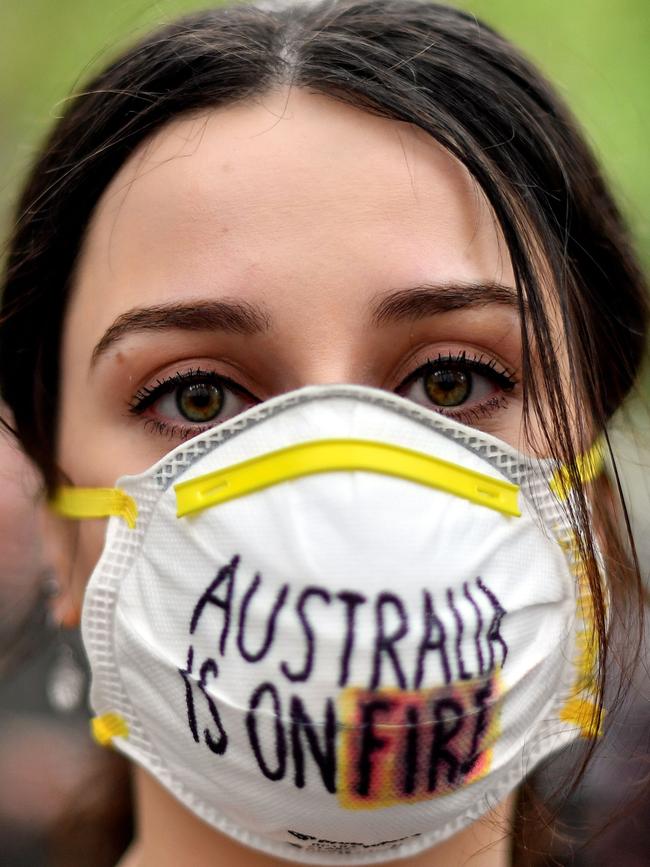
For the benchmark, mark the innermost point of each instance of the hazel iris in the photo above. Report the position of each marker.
(200, 401)
(448, 386)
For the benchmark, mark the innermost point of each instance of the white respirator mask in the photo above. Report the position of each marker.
(339, 627)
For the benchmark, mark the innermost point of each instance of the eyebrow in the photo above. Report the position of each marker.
(418, 302)
(231, 317)
(240, 317)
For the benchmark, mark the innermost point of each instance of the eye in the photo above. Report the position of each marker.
(464, 387)
(190, 401)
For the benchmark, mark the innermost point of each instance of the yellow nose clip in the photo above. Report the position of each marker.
(345, 455)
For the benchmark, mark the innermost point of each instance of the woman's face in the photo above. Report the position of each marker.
(269, 245)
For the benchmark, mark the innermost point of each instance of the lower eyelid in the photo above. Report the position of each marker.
(480, 411)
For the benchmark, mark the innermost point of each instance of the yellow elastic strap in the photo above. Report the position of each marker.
(325, 456)
(108, 726)
(585, 715)
(588, 466)
(95, 503)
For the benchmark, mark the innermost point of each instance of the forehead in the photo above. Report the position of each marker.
(293, 188)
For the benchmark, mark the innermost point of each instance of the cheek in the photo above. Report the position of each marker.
(85, 553)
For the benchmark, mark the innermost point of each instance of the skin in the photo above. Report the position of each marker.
(316, 213)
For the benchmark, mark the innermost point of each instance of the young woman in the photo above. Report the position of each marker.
(341, 287)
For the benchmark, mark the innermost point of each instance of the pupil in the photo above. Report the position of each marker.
(200, 401)
(448, 386)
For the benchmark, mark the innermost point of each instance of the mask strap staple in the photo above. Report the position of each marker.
(108, 726)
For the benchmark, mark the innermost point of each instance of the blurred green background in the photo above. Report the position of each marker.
(596, 52)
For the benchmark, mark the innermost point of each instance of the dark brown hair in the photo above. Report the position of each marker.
(421, 63)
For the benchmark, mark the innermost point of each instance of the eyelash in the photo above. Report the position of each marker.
(472, 415)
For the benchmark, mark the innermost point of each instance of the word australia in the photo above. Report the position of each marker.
(411, 640)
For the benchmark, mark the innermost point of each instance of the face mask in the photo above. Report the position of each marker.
(339, 627)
